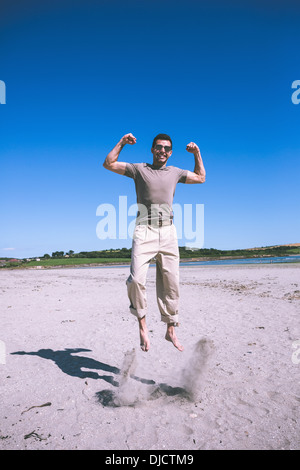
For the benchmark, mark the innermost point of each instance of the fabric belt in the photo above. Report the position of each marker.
(157, 222)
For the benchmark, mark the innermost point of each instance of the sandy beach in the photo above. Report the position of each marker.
(72, 375)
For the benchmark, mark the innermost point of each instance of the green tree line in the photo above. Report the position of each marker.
(184, 252)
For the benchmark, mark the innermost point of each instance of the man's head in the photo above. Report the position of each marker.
(161, 149)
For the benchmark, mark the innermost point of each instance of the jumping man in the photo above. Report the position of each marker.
(155, 234)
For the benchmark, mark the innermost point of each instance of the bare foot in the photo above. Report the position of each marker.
(171, 336)
(144, 338)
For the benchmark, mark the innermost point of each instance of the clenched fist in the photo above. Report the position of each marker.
(192, 148)
(128, 139)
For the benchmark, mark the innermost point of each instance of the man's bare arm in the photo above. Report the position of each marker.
(198, 176)
(111, 162)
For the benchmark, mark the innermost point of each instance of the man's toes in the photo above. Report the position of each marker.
(173, 339)
(145, 347)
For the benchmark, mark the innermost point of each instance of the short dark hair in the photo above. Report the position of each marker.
(161, 137)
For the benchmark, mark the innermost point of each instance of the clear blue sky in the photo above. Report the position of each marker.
(80, 74)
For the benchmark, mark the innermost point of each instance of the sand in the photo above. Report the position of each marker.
(72, 375)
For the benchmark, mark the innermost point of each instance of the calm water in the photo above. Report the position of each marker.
(273, 259)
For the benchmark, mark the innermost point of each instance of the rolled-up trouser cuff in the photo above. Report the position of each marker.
(170, 319)
(138, 312)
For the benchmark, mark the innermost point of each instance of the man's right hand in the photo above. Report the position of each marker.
(128, 139)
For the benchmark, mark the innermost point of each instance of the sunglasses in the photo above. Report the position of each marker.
(160, 147)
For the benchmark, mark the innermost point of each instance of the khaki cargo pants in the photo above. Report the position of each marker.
(160, 242)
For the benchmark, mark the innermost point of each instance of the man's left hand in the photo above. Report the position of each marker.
(192, 148)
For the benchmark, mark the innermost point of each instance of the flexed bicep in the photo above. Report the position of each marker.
(116, 167)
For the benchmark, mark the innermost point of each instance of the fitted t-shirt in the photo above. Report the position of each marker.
(155, 188)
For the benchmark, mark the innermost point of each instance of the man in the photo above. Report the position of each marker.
(155, 234)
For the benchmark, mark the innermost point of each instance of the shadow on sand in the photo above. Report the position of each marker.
(72, 365)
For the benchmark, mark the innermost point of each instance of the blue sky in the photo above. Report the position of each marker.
(80, 74)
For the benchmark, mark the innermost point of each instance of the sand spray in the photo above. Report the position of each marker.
(193, 374)
(133, 391)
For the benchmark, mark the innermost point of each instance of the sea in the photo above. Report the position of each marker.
(267, 260)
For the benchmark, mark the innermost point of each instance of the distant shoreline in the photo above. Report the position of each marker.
(122, 256)
(254, 260)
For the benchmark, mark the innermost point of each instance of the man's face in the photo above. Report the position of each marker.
(161, 152)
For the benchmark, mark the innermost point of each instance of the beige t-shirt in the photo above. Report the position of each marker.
(155, 188)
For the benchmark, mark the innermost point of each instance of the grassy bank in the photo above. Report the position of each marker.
(75, 262)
